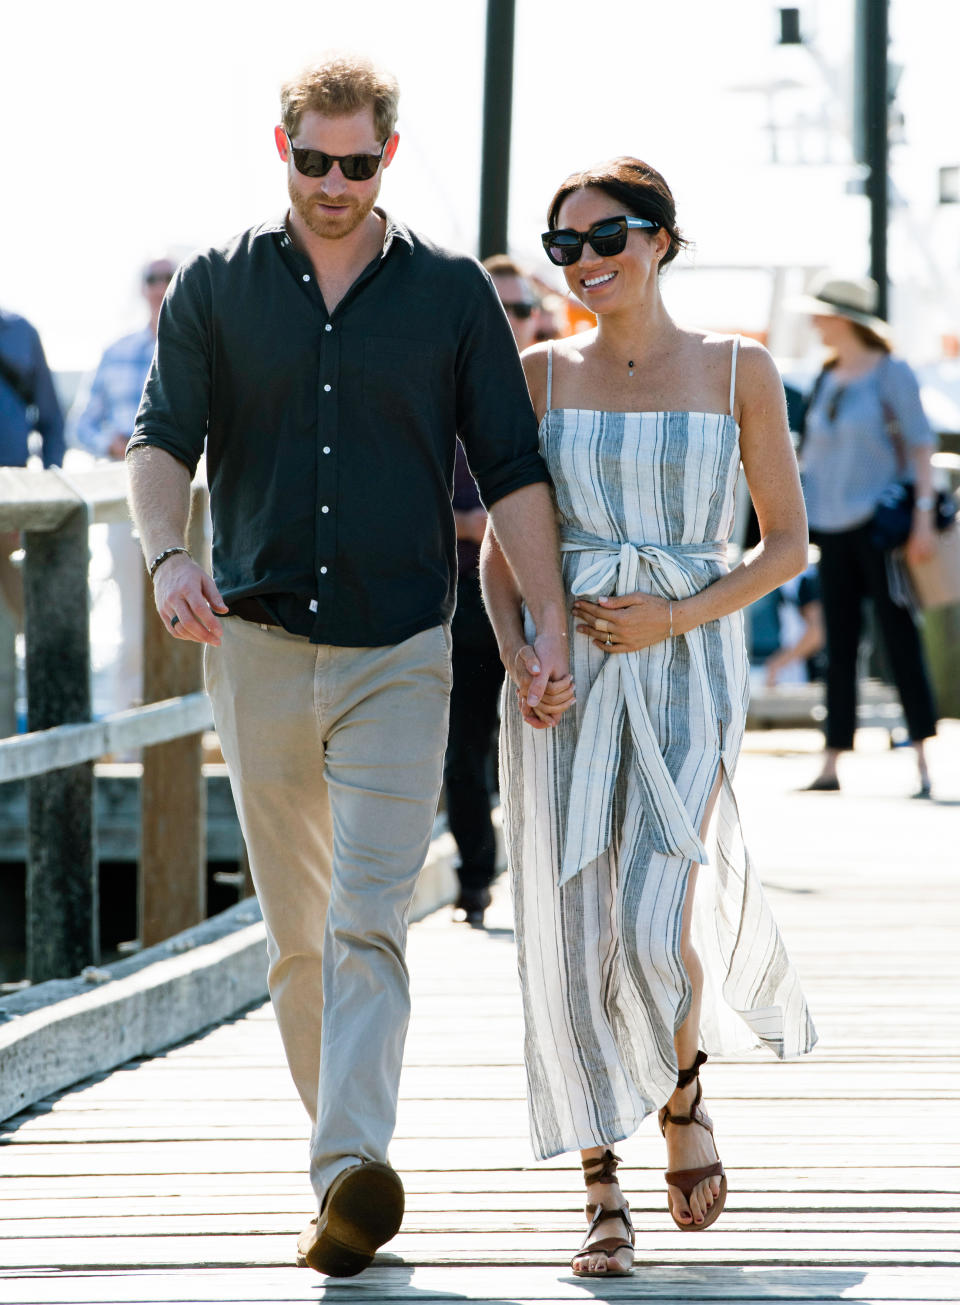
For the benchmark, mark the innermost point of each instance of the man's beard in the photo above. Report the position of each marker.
(329, 228)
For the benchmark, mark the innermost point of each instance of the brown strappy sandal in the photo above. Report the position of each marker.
(687, 1179)
(608, 1246)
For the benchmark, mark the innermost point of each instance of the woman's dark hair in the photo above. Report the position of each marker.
(639, 188)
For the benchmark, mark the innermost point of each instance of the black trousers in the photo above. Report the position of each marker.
(851, 569)
(477, 680)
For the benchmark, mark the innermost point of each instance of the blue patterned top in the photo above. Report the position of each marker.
(848, 456)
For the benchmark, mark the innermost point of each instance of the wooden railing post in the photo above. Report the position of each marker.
(173, 863)
(63, 925)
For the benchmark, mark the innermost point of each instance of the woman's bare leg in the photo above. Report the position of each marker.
(687, 1147)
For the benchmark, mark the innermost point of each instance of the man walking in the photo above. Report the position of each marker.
(328, 361)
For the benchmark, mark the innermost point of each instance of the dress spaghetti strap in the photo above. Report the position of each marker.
(549, 374)
(733, 371)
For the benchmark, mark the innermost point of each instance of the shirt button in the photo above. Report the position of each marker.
(324, 508)
(327, 388)
(328, 327)
(326, 448)
(305, 277)
(323, 570)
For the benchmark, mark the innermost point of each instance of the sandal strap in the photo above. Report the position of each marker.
(606, 1246)
(695, 1116)
(686, 1076)
(608, 1168)
(687, 1179)
(600, 1214)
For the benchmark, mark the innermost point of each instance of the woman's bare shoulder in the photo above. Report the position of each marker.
(535, 363)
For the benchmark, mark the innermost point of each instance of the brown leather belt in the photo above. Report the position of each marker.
(251, 609)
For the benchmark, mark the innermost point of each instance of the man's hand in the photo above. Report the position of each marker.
(540, 707)
(186, 599)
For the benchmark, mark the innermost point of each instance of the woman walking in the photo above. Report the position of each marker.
(865, 430)
(643, 426)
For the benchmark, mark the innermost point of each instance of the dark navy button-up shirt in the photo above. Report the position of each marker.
(330, 438)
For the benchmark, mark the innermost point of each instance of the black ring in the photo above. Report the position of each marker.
(173, 620)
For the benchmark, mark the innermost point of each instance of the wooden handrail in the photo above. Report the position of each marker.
(26, 755)
(54, 508)
(42, 500)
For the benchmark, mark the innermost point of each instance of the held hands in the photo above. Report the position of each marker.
(544, 688)
(626, 623)
(186, 599)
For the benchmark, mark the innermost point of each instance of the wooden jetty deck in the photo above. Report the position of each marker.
(181, 1178)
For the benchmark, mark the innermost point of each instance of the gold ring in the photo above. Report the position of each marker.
(609, 640)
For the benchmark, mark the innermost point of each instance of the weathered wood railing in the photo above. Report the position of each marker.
(54, 510)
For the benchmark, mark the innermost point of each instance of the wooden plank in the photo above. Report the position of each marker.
(390, 1281)
(840, 1189)
(172, 886)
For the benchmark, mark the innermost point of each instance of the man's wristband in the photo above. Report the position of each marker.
(162, 557)
(925, 503)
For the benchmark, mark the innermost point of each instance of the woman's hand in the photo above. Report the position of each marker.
(922, 538)
(523, 665)
(626, 623)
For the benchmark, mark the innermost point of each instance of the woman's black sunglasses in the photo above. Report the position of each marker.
(565, 245)
(355, 167)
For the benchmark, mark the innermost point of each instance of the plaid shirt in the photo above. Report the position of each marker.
(107, 406)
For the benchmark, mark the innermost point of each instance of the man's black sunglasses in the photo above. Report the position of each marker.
(565, 245)
(520, 310)
(355, 167)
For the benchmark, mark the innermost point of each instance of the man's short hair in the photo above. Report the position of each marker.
(337, 85)
(503, 265)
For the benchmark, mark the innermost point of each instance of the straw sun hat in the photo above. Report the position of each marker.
(831, 296)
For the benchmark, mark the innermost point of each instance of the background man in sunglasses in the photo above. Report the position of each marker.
(101, 421)
(328, 361)
(477, 670)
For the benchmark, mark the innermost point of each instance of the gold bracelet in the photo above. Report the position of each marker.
(670, 636)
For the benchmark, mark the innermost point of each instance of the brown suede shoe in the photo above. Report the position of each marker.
(362, 1210)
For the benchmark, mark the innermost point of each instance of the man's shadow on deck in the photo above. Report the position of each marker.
(389, 1279)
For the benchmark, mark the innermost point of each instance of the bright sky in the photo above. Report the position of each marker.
(131, 128)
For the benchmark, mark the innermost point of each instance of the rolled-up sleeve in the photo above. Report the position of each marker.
(495, 418)
(175, 408)
(903, 396)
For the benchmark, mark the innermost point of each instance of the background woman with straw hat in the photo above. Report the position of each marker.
(864, 430)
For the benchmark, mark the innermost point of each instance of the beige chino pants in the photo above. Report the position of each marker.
(335, 758)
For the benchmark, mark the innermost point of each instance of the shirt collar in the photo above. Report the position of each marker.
(395, 230)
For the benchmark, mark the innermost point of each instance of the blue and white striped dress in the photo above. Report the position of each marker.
(602, 814)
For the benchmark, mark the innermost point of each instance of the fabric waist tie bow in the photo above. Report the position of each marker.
(616, 690)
